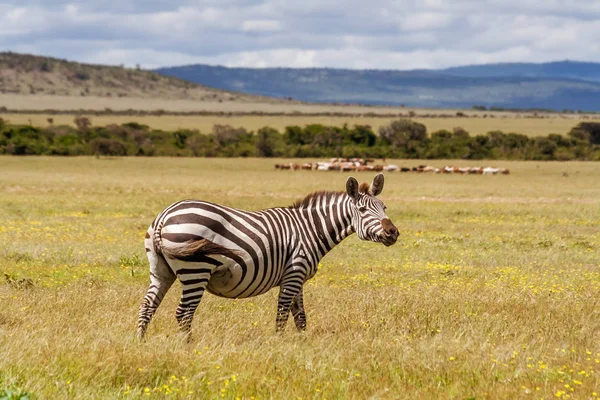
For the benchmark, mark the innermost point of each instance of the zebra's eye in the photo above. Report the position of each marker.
(362, 209)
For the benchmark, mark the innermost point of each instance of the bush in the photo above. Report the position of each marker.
(361, 135)
(82, 123)
(587, 131)
(400, 139)
(269, 143)
(402, 131)
(545, 148)
(108, 147)
(408, 139)
(226, 135)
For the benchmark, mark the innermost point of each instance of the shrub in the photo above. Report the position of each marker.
(587, 131)
(269, 143)
(400, 139)
(402, 131)
(545, 148)
(361, 135)
(226, 135)
(82, 123)
(108, 147)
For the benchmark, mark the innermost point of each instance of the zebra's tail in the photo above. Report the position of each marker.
(196, 248)
(156, 239)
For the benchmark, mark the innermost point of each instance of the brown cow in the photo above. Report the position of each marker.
(365, 168)
(347, 167)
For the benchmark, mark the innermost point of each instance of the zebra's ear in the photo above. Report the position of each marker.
(377, 185)
(352, 187)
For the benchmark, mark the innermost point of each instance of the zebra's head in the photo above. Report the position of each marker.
(368, 217)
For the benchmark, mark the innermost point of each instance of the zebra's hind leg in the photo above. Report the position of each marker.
(298, 311)
(161, 279)
(194, 282)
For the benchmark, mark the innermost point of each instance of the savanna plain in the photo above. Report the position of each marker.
(492, 291)
(475, 125)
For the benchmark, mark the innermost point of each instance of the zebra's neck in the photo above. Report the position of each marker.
(325, 219)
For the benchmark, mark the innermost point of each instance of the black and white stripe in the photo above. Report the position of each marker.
(237, 254)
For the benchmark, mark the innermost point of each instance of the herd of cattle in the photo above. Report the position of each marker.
(360, 164)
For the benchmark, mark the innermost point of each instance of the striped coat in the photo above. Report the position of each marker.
(238, 254)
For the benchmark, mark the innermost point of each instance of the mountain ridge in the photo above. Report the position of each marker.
(581, 70)
(462, 87)
(560, 85)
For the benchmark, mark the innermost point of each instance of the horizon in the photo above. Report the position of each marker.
(402, 70)
(573, 61)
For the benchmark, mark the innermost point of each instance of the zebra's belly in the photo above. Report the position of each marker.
(227, 280)
(224, 279)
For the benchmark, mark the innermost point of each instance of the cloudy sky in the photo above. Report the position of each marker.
(382, 34)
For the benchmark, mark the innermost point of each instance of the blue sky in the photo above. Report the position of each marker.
(382, 34)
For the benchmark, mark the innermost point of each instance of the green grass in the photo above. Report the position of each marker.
(492, 291)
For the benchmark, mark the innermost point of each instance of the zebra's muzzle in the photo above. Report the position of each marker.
(388, 240)
(389, 236)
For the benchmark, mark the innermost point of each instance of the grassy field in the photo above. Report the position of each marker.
(506, 123)
(237, 103)
(493, 290)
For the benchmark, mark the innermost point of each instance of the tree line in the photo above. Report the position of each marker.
(402, 138)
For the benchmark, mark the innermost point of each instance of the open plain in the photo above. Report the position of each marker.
(492, 291)
(476, 125)
(253, 113)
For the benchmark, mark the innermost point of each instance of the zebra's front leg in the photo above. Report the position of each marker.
(193, 290)
(298, 311)
(289, 289)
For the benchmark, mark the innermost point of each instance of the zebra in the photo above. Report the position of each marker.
(238, 254)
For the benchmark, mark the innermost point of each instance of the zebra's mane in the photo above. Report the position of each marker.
(313, 197)
(364, 188)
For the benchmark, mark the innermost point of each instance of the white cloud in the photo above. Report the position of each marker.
(426, 21)
(385, 34)
(16, 21)
(71, 10)
(262, 25)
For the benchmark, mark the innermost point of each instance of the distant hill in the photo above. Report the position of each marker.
(558, 69)
(557, 86)
(29, 74)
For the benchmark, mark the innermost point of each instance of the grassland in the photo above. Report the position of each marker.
(493, 290)
(509, 122)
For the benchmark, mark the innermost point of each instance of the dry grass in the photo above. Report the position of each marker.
(240, 103)
(295, 114)
(506, 123)
(492, 294)
(45, 102)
